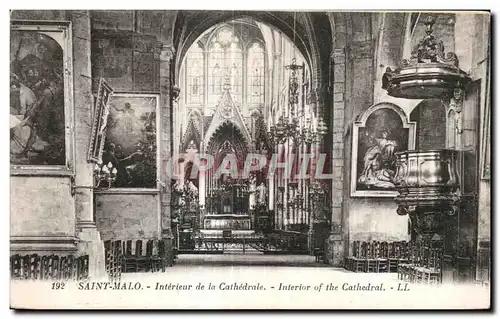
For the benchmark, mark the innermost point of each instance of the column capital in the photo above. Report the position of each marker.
(338, 56)
(167, 53)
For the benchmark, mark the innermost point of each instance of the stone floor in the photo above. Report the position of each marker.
(248, 259)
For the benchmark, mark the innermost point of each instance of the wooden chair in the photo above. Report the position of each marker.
(54, 267)
(129, 260)
(359, 254)
(370, 261)
(421, 264)
(74, 270)
(63, 266)
(142, 261)
(349, 261)
(162, 253)
(382, 264)
(392, 256)
(432, 273)
(405, 261)
(155, 256)
(15, 266)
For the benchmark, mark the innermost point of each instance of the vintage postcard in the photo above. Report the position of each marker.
(196, 159)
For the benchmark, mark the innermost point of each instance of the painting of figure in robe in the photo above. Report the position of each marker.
(382, 136)
(37, 117)
(131, 140)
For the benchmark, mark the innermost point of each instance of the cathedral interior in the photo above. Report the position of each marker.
(358, 139)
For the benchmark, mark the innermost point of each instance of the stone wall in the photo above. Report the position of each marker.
(128, 52)
(59, 204)
(430, 115)
(473, 50)
(42, 215)
(127, 216)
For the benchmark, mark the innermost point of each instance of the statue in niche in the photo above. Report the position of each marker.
(261, 193)
(379, 160)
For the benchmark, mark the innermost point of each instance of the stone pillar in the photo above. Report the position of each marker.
(271, 192)
(251, 197)
(335, 245)
(202, 188)
(89, 236)
(165, 147)
(182, 177)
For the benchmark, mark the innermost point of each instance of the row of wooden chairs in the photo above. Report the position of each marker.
(423, 266)
(137, 258)
(49, 267)
(376, 256)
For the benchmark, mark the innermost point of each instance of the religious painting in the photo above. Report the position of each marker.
(39, 103)
(381, 132)
(99, 125)
(131, 140)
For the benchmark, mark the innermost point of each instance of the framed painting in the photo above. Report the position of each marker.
(99, 123)
(41, 102)
(379, 133)
(131, 139)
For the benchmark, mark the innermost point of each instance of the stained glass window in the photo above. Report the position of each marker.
(225, 66)
(194, 78)
(255, 74)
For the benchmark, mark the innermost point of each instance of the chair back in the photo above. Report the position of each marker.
(138, 248)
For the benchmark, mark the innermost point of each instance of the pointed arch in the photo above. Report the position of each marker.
(256, 73)
(227, 134)
(195, 74)
(227, 112)
(192, 135)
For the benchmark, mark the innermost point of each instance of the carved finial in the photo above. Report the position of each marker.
(429, 23)
(429, 49)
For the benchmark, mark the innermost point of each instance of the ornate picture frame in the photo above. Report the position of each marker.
(100, 120)
(132, 141)
(41, 85)
(379, 132)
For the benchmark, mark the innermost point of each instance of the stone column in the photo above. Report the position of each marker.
(271, 191)
(165, 147)
(182, 177)
(335, 243)
(90, 240)
(251, 197)
(202, 188)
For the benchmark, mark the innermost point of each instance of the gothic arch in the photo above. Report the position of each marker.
(225, 132)
(200, 21)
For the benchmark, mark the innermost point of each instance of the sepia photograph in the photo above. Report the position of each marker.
(250, 159)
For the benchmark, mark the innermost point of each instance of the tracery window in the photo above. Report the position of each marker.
(195, 79)
(222, 63)
(255, 74)
(225, 64)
